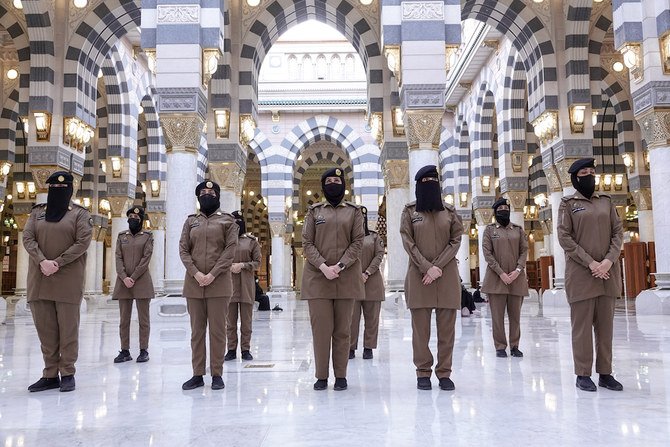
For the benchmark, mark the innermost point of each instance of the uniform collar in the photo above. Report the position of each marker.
(578, 195)
(215, 213)
(69, 207)
(338, 205)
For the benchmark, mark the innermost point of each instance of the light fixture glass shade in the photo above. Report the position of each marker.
(81, 4)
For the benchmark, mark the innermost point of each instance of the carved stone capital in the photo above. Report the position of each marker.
(553, 180)
(299, 251)
(517, 199)
(484, 216)
(102, 235)
(562, 169)
(158, 221)
(642, 198)
(119, 205)
(41, 174)
(396, 174)
(287, 238)
(182, 132)
(278, 229)
(228, 176)
(547, 227)
(424, 128)
(21, 220)
(655, 127)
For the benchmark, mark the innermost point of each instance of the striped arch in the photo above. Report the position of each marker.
(536, 175)
(578, 17)
(220, 84)
(92, 41)
(448, 159)
(625, 119)
(512, 122)
(481, 148)
(281, 15)
(462, 145)
(40, 82)
(9, 118)
(16, 29)
(600, 25)
(201, 170)
(145, 92)
(311, 160)
(142, 152)
(95, 180)
(255, 214)
(530, 38)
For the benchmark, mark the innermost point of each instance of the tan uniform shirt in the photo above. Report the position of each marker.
(371, 257)
(133, 254)
(589, 230)
(207, 245)
(248, 251)
(505, 250)
(66, 243)
(331, 235)
(431, 238)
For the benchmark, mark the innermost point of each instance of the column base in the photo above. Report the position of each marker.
(278, 289)
(173, 287)
(20, 292)
(555, 298)
(395, 285)
(653, 302)
(559, 283)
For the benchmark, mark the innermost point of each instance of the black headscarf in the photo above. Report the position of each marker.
(58, 197)
(502, 216)
(428, 190)
(333, 192)
(135, 224)
(239, 220)
(586, 184)
(208, 203)
(364, 210)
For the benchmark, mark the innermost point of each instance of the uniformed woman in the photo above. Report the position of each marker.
(332, 238)
(590, 232)
(246, 261)
(370, 303)
(431, 234)
(134, 248)
(56, 238)
(207, 247)
(505, 248)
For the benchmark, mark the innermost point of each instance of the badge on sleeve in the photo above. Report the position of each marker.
(90, 221)
(319, 220)
(416, 217)
(577, 208)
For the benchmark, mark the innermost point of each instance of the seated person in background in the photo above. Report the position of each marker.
(261, 297)
(467, 302)
(477, 296)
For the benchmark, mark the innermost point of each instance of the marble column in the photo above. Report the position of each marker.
(22, 260)
(99, 264)
(157, 264)
(396, 175)
(119, 207)
(645, 215)
(423, 133)
(230, 177)
(91, 270)
(288, 262)
(299, 266)
(483, 216)
(463, 255)
(556, 249)
(659, 163)
(279, 280)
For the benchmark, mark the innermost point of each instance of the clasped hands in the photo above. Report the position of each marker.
(601, 269)
(330, 271)
(48, 267)
(204, 280)
(236, 267)
(508, 278)
(431, 275)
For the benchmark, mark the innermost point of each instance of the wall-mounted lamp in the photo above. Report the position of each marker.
(5, 168)
(398, 123)
(103, 166)
(486, 183)
(577, 117)
(253, 3)
(32, 191)
(18, 4)
(12, 74)
(43, 125)
(451, 53)
(546, 126)
(392, 53)
(607, 182)
(20, 190)
(530, 161)
(104, 206)
(210, 62)
(629, 162)
(645, 155)
(449, 198)
(598, 179)
(632, 58)
(541, 200)
(151, 59)
(247, 128)
(77, 134)
(377, 126)
(155, 188)
(517, 161)
(618, 182)
(222, 123)
(116, 167)
(664, 42)
(594, 119)
(463, 199)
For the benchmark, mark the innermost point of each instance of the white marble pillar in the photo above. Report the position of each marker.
(418, 158)
(659, 164)
(157, 264)
(91, 270)
(180, 202)
(22, 260)
(99, 264)
(278, 280)
(397, 258)
(645, 219)
(288, 265)
(517, 217)
(556, 249)
(539, 246)
(109, 261)
(229, 200)
(119, 224)
(480, 249)
(463, 256)
(299, 267)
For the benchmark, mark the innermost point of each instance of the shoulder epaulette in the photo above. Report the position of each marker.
(410, 204)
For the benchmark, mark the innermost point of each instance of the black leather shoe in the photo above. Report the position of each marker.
(66, 384)
(501, 353)
(367, 353)
(447, 384)
(230, 355)
(143, 357)
(193, 383)
(217, 383)
(515, 352)
(352, 354)
(124, 356)
(321, 384)
(423, 383)
(340, 384)
(585, 383)
(246, 355)
(609, 382)
(44, 384)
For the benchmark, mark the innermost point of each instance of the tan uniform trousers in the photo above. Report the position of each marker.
(371, 311)
(246, 312)
(423, 358)
(588, 316)
(126, 310)
(331, 323)
(57, 327)
(204, 311)
(498, 303)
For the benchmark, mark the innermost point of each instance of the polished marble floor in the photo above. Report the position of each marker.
(497, 402)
